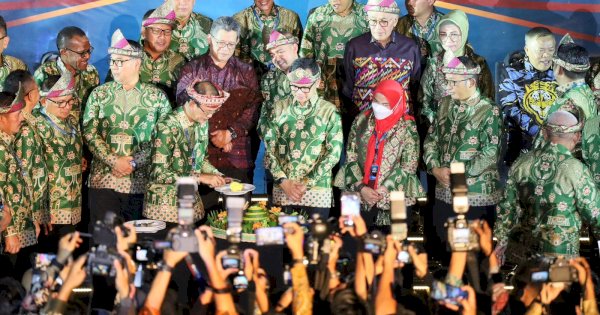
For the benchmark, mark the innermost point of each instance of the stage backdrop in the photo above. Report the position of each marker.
(497, 26)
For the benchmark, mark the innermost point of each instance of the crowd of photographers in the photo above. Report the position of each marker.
(337, 266)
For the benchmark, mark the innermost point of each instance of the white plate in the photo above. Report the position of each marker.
(226, 190)
(148, 226)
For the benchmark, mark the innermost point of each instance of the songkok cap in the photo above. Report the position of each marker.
(385, 6)
(63, 87)
(278, 39)
(17, 104)
(303, 76)
(213, 102)
(120, 46)
(567, 39)
(453, 65)
(164, 14)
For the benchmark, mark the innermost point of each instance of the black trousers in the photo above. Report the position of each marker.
(127, 206)
(15, 265)
(323, 212)
(49, 243)
(210, 198)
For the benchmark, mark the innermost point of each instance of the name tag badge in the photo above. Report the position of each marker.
(467, 155)
(558, 221)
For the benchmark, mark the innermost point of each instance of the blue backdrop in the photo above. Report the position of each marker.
(497, 26)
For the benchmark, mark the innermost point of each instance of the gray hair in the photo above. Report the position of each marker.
(564, 119)
(227, 24)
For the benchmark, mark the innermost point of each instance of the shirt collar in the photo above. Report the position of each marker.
(564, 88)
(559, 148)
(392, 41)
(471, 103)
(262, 16)
(6, 138)
(54, 119)
(183, 119)
(138, 86)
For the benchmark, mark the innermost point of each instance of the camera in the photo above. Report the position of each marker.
(101, 257)
(447, 293)
(461, 234)
(270, 236)
(283, 219)
(558, 270)
(318, 232)
(233, 258)
(399, 227)
(182, 238)
(235, 209)
(350, 207)
(374, 243)
(240, 282)
(145, 252)
(104, 230)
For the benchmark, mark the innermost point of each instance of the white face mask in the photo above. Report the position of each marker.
(380, 111)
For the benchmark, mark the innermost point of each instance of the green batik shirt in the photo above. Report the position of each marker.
(399, 160)
(120, 123)
(15, 188)
(304, 143)
(424, 36)
(163, 71)
(85, 82)
(191, 40)
(179, 149)
(434, 85)
(548, 192)
(327, 33)
(576, 98)
(257, 27)
(325, 41)
(8, 65)
(63, 145)
(274, 86)
(590, 147)
(28, 143)
(467, 132)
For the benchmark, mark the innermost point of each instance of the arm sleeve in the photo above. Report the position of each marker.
(426, 90)
(162, 149)
(490, 139)
(334, 143)
(431, 154)
(247, 121)
(308, 40)
(95, 143)
(143, 155)
(508, 210)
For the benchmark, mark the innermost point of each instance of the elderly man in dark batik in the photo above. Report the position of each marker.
(75, 53)
(118, 123)
(303, 143)
(328, 29)
(420, 24)
(15, 186)
(274, 85)
(63, 152)
(257, 22)
(160, 65)
(547, 195)
(527, 90)
(378, 55)
(230, 129)
(8, 64)
(180, 149)
(190, 36)
(467, 129)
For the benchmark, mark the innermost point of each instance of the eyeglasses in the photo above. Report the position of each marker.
(452, 83)
(304, 89)
(63, 104)
(3, 37)
(453, 36)
(382, 23)
(117, 62)
(82, 53)
(158, 31)
(223, 44)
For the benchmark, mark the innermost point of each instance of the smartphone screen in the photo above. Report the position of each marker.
(283, 219)
(43, 260)
(350, 204)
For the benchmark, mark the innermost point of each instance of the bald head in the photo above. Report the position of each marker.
(566, 120)
(206, 88)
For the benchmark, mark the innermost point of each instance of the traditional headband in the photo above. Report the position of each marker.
(120, 46)
(453, 65)
(164, 14)
(303, 76)
(17, 104)
(63, 87)
(277, 39)
(211, 101)
(567, 39)
(385, 6)
(564, 129)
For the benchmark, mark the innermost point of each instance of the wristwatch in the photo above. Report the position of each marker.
(162, 266)
(280, 180)
(234, 135)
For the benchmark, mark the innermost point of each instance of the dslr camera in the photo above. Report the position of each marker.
(461, 235)
(317, 241)
(374, 243)
(101, 257)
(235, 208)
(182, 238)
(558, 270)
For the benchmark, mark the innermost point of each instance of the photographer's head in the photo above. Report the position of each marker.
(205, 100)
(11, 295)
(346, 302)
(563, 128)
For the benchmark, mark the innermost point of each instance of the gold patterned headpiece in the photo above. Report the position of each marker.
(63, 87)
(303, 76)
(453, 65)
(564, 129)
(277, 39)
(164, 14)
(120, 46)
(214, 102)
(17, 104)
(385, 6)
